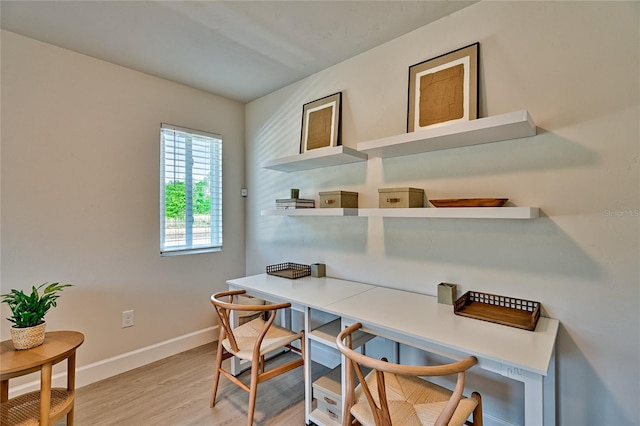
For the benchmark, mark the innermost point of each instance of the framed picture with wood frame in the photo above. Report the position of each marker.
(444, 89)
(321, 123)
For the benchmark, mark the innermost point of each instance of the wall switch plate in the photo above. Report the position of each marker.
(244, 192)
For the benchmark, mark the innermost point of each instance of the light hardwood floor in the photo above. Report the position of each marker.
(176, 391)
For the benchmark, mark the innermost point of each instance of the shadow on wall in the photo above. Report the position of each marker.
(586, 398)
(545, 151)
(536, 246)
(344, 234)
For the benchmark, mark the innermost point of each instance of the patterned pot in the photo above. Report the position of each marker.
(29, 337)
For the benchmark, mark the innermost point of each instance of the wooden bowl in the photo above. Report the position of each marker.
(470, 202)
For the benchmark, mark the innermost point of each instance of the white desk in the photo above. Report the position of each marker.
(418, 320)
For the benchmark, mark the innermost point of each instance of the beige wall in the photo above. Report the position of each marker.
(80, 170)
(574, 66)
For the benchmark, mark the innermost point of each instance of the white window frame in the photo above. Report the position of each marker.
(204, 150)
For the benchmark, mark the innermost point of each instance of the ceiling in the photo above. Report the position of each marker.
(238, 49)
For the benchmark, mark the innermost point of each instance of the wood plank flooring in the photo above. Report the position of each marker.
(175, 392)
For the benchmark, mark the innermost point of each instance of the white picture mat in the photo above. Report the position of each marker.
(465, 61)
(332, 104)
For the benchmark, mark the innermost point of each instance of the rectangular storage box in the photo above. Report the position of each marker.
(401, 197)
(339, 199)
(327, 391)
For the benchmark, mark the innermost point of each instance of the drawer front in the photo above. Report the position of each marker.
(339, 200)
(330, 407)
(401, 199)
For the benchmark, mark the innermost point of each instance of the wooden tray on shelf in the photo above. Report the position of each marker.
(289, 270)
(470, 202)
(499, 309)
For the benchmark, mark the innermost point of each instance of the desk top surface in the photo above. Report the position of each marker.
(418, 316)
(421, 317)
(58, 345)
(307, 291)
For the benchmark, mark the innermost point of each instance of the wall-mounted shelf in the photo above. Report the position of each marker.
(310, 212)
(321, 157)
(435, 213)
(513, 125)
(455, 212)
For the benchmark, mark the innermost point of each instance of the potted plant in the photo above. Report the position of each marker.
(28, 311)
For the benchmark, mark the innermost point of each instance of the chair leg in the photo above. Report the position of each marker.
(216, 373)
(477, 413)
(253, 390)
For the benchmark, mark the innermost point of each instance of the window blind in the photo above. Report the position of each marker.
(190, 191)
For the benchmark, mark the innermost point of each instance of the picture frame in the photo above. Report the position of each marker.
(444, 89)
(321, 125)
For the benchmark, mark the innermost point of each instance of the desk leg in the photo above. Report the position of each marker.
(536, 412)
(533, 401)
(234, 368)
(71, 385)
(45, 393)
(308, 403)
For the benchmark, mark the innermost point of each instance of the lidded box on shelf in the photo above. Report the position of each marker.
(339, 199)
(401, 197)
(327, 392)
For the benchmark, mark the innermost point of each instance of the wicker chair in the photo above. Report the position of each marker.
(251, 341)
(393, 394)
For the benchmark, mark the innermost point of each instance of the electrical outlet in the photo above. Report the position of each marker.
(127, 318)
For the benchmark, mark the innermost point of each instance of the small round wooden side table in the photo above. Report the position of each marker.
(46, 406)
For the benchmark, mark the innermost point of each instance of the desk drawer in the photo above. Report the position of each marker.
(334, 412)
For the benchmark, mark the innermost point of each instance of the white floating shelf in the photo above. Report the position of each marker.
(426, 212)
(455, 212)
(513, 125)
(321, 157)
(310, 212)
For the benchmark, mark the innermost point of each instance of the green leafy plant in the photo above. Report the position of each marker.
(29, 309)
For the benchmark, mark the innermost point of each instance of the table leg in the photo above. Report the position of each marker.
(4, 391)
(71, 385)
(45, 393)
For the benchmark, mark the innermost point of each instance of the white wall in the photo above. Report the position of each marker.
(80, 197)
(574, 66)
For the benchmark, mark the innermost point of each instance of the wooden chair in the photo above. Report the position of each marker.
(251, 341)
(393, 394)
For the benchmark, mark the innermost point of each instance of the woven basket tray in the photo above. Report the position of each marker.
(289, 270)
(499, 309)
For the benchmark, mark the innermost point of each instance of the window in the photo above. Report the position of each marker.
(190, 191)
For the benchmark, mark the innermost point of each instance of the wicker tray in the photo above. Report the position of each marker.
(470, 202)
(289, 270)
(499, 309)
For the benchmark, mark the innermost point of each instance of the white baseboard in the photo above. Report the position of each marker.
(118, 364)
(489, 420)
